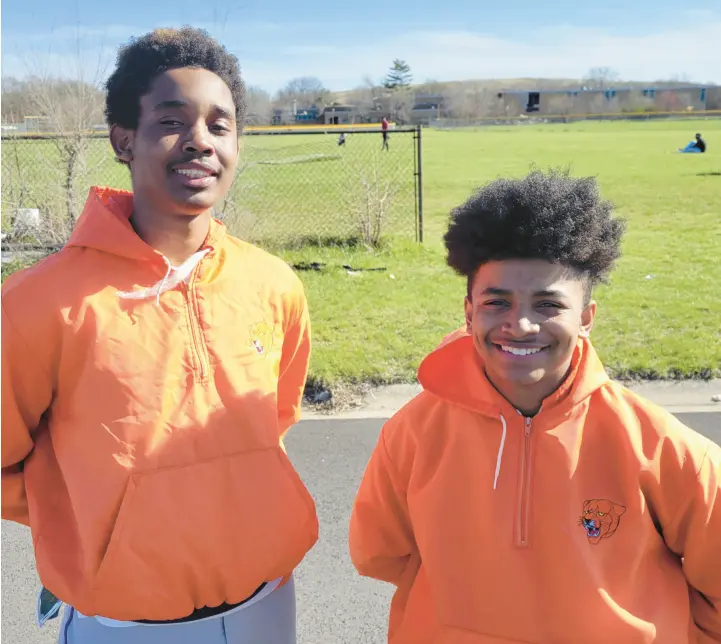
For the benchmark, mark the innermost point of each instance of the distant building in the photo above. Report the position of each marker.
(292, 115)
(340, 115)
(307, 115)
(426, 108)
(584, 101)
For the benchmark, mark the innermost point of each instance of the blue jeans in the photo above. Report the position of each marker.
(269, 621)
(690, 149)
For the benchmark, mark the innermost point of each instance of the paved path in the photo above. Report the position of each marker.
(335, 605)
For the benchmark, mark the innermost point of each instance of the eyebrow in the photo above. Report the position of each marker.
(164, 105)
(178, 104)
(492, 290)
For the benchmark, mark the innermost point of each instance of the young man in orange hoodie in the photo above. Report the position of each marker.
(524, 497)
(149, 372)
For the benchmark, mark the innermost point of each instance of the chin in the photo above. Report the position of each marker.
(196, 204)
(527, 379)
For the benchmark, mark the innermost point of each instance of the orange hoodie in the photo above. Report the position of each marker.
(596, 521)
(141, 426)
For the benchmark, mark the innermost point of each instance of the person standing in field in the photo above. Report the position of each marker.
(524, 496)
(150, 370)
(384, 129)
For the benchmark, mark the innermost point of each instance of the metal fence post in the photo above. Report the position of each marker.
(419, 180)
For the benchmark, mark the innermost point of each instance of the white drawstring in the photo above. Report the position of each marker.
(499, 458)
(162, 282)
(173, 277)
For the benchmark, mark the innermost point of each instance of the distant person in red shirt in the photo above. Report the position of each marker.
(384, 127)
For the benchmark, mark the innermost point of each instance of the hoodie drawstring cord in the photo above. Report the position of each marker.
(499, 458)
(162, 282)
(173, 277)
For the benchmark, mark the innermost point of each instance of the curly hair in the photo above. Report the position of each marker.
(143, 59)
(546, 215)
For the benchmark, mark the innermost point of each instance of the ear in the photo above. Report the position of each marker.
(468, 306)
(588, 317)
(122, 141)
(618, 509)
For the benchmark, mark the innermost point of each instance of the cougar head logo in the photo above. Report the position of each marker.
(600, 519)
(261, 337)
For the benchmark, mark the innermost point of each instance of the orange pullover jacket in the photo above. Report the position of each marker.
(141, 424)
(597, 521)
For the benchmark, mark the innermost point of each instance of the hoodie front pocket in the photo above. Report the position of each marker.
(452, 635)
(202, 534)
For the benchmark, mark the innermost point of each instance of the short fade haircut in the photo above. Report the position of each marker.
(546, 215)
(145, 58)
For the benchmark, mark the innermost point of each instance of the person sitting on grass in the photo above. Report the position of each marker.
(149, 372)
(698, 146)
(524, 496)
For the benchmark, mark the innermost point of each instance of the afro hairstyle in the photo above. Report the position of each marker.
(546, 215)
(143, 59)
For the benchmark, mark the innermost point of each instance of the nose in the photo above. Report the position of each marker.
(198, 141)
(520, 326)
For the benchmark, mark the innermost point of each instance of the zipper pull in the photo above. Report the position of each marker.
(528, 426)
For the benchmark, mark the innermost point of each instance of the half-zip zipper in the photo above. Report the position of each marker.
(525, 481)
(197, 340)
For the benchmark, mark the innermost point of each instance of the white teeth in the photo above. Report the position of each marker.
(194, 174)
(519, 352)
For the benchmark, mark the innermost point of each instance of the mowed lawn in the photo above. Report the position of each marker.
(659, 317)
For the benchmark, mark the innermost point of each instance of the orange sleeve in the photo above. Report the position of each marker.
(694, 534)
(26, 395)
(294, 361)
(381, 536)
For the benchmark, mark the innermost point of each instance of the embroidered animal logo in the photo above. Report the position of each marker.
(600, 519)
(261, 337)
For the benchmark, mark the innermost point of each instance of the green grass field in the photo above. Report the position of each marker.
(369, 327)
(659, 317)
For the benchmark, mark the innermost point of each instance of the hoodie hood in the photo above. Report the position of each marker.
(104, 225)
(455, 373)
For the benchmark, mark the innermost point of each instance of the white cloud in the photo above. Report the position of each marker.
(272, 54)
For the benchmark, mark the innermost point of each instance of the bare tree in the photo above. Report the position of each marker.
(53, 175)
(599, 104)
(369, 197)
(306, 91)
(635, 102)
(259, 108)
(671, 100)
(562, 104)
(600, 78)
(469, 101)
(368, 97)
(72, 109)
(401, 103)
(433, 88)
(15, 101)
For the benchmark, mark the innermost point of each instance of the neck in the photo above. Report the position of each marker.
(528, 399)
(177, 237)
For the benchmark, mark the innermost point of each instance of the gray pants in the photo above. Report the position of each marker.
(269, 621)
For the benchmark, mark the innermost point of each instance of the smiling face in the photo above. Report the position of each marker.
(183, 154)
(526, 317)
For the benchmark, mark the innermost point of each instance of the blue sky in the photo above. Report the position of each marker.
(277, 40)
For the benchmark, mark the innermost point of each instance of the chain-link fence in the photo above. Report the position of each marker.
(290, 187)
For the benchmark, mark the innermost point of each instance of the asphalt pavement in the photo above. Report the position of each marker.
(335, 605)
